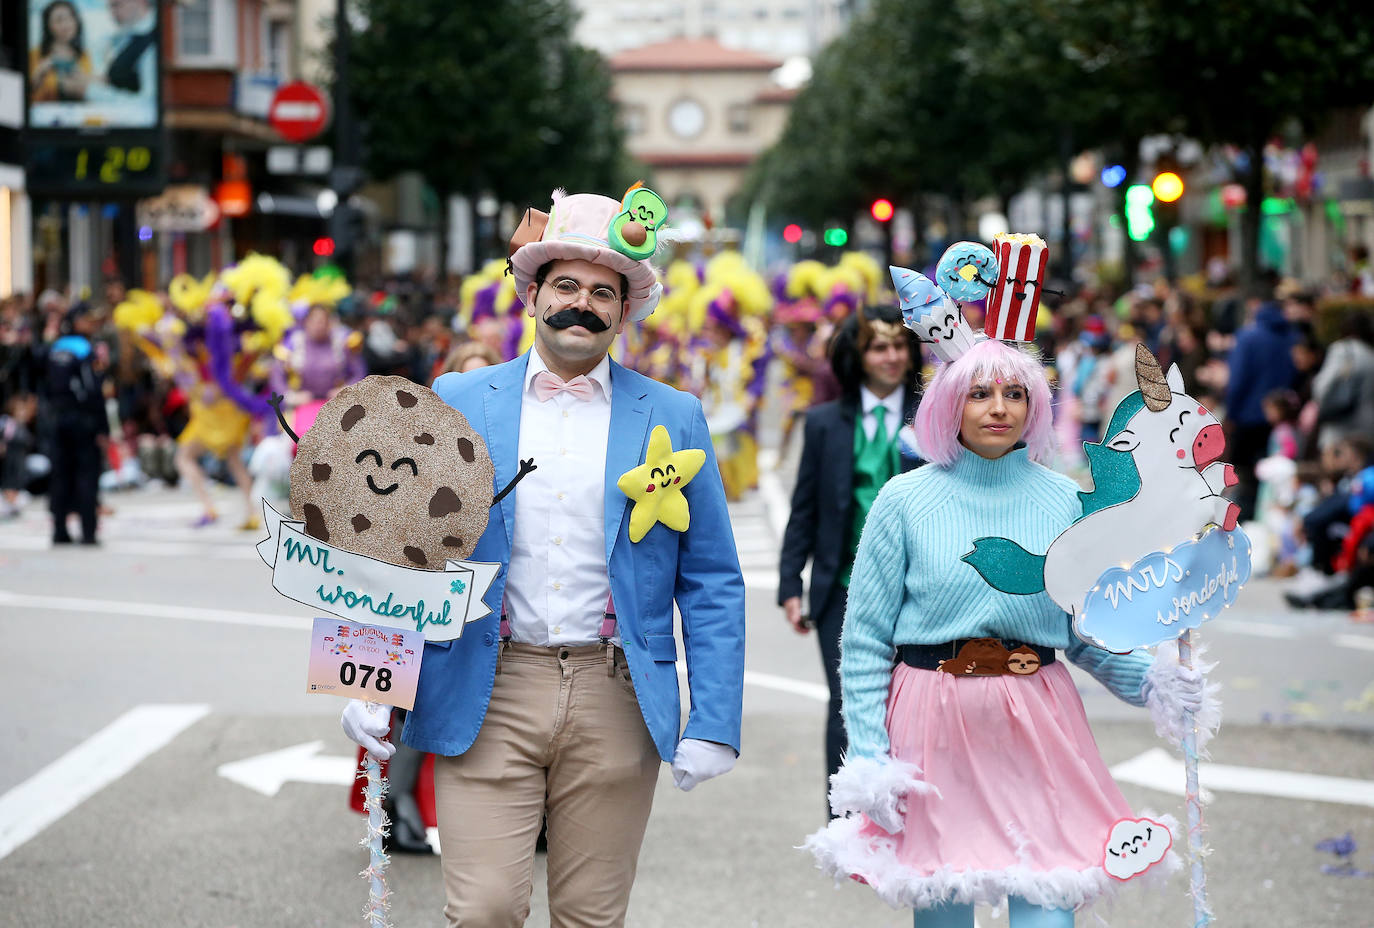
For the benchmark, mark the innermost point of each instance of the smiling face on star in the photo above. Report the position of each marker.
(994, 416)
(661, 478)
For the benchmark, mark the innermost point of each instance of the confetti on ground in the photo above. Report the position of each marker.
(1345, 869)
(1344, 848)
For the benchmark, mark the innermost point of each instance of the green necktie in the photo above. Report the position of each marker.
(875, 462)
(880, 433)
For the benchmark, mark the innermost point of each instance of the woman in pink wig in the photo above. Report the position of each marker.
(972, 776)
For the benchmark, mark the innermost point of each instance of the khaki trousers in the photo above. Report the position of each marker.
(564, 738)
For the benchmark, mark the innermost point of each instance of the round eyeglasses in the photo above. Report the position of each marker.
(599, 297)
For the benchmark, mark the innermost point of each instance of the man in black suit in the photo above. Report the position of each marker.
(851, 447)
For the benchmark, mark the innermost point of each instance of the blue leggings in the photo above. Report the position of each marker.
(1021, 913)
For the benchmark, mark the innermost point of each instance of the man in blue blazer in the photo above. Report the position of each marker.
(564, 702)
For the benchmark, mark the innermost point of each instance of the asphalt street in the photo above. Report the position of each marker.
(138, 670)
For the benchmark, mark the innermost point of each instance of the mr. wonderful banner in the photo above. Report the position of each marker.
(437, 603)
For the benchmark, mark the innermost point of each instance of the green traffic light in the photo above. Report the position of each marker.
(837, 237)
(1140, 220)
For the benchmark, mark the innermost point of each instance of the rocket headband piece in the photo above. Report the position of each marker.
(1012, 278)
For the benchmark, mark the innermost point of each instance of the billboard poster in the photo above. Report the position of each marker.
(93, 64)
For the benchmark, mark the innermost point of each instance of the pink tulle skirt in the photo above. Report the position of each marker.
(1019, 801)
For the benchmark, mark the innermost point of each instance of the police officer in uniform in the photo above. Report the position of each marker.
(73, 394)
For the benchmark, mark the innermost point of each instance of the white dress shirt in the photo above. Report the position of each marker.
(557, 585)
(892, 419)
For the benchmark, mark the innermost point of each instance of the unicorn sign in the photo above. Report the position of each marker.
(1157, 485)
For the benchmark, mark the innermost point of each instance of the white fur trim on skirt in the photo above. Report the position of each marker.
(844, 853)
(875, 786)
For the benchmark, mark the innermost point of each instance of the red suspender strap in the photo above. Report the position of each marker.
(608, 621)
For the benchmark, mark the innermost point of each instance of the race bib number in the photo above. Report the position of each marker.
(372, 662)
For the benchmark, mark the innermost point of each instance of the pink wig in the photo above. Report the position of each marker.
(941, 412)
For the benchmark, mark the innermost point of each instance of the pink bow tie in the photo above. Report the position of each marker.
(548, 384)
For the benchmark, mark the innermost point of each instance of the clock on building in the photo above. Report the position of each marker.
(686, 118)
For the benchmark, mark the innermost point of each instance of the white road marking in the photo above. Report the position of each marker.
(132, 547)
(775, 502)
(1258, 629)
(1158, 769)
(155, 610)
(88, 768)
(816, 691)
(761, 579)
(266, 773)
(1284, 632)
(1354, 641)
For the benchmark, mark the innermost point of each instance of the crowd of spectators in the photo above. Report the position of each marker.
(1289, 371)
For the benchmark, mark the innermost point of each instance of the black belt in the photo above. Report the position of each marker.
(930, 656)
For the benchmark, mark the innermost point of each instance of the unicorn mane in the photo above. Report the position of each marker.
(1114, 474)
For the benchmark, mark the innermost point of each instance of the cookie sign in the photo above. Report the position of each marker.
(390, 471)
(391, 488)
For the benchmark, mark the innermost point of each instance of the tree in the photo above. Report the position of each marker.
(1238, 72)
(490, 97)
(923, 99)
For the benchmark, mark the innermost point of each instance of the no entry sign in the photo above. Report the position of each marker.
(298, 111)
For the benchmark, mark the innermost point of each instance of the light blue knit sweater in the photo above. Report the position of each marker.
(910, 586)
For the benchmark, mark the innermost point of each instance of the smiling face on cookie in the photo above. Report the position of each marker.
(390, 471)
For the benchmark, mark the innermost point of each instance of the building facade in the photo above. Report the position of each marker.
(698, 114)
(780, 28)
(16, 263)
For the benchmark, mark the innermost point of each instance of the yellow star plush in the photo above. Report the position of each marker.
(656, 485)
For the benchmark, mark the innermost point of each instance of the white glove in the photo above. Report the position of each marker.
(1172, 691)
(366, 723)
(696, 761)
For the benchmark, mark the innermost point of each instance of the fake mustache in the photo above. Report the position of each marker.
(567, 318)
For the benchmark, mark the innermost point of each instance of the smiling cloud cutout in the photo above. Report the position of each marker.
(1135, 845)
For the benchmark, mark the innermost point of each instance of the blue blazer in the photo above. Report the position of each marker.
(698, 568)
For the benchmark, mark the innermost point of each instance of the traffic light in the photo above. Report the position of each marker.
(323, 247)
(792, 233)
(1167, 186)
(1140, 219)
(836, 237)
(882, 209)
(1113, 175)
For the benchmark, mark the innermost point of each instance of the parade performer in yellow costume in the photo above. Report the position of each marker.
(213, 343)
(730, 366)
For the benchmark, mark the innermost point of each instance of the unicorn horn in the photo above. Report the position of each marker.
(1150, 377)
